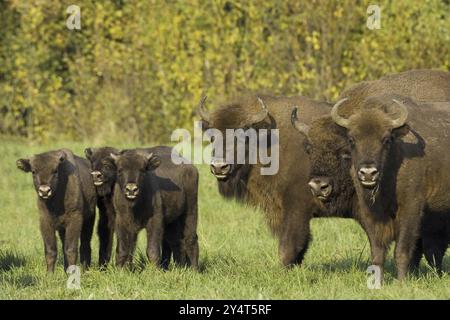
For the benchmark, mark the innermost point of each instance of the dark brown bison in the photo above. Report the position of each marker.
(66, 202)
(104, 178)
(328, 148)
(399, 180)
(283, 197)
(153, 193)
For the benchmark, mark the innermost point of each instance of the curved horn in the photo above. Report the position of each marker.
(260, 116)
(343, 122)
(302, 127)
(400, 121)
(203, 113)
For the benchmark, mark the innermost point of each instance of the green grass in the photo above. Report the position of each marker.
(238, 256)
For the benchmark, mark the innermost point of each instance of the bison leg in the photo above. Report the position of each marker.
(416, 256)
(166, 253)
(154, 239)
(126, 243)
(72, 235)
(434, 249)
(190, 232)
(378, 253)
(62, 236)
(294, 240)
(377, 248)
(50, 247)
(85, 241)
(105, 232)
(174, 234)
(407, 237)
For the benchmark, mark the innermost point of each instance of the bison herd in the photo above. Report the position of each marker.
(379, 155)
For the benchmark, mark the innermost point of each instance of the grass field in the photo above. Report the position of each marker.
(238, 256)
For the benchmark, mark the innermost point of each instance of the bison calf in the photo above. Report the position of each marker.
(153, 193)
(66, 202)
(104, 177)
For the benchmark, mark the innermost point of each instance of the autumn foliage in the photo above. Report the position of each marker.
(137, 69)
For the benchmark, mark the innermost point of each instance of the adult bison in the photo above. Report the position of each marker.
(329, 151)
(284, 197)
(396, 179)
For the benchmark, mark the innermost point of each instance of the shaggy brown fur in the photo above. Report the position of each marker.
(66, 202)
(283, 197)
(329, 150)
(421, 85)
(413, 175)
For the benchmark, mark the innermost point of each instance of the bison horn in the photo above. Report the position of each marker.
(263, 114)
(300, 126)
(202, 111)
(114, 156)
(400, 121)
(341, 121)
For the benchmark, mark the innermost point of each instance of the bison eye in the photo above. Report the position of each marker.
(351, 141)
(387, 140)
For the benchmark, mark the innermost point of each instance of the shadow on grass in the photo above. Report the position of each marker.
(19, 281)
(390, 269)
(10, 260)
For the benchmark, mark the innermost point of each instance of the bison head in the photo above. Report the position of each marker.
(329, 153)
(45, 168)
(103, 170)
(233, 116)
(371, 131)
(132, 167)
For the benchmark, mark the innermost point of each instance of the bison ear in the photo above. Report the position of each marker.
(24, 165)
(88, 152)
(401, 131)
(153, 161)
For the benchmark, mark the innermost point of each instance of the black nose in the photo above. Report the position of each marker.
(220, 168)
(131, 190)
(320, 187)
(368, 174)
(44, 191)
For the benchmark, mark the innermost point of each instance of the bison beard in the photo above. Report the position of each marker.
(235, 186)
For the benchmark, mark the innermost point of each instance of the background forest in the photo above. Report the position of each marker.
(136, 69)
